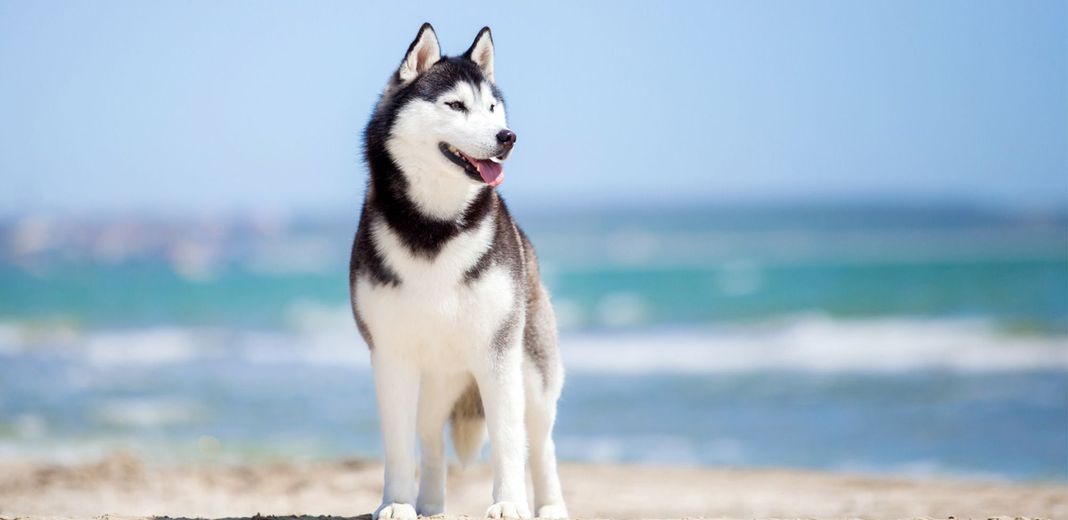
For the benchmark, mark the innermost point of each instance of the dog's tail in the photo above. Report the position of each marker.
(468, 425)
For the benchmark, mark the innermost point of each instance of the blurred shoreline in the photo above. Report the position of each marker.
(917, 341)
(887, 396)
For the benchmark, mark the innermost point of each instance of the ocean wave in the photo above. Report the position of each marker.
(146, 412)
(822, 344)
(320, 335)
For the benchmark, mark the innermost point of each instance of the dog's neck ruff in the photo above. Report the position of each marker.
(394, 196)
(440, 195)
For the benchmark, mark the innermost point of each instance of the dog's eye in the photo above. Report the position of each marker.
(492, 105)
(458, 106)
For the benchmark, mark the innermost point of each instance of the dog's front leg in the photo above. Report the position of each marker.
(500, 381)
(397, 387)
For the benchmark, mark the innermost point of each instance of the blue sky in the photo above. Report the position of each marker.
(205, 106)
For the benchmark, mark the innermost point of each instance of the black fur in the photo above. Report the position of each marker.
(425, 236)
(387, 187)
(386, 196)
(368, 260)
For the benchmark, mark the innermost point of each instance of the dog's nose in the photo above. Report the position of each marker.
(506, 137)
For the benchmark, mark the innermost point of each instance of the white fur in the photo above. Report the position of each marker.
(433, 333)
(433, 330)
(438, 186)
(432, 318)
(542, 392)
(500, 381)
(540, 416)
(437, 394)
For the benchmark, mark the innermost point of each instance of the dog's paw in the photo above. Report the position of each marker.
(395, 511)
(505, 509)
(429, 509)
(552, 511)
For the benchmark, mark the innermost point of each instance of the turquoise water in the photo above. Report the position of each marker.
(1028, 294)
(904, 341)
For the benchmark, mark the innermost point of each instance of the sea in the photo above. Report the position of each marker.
(893, 340)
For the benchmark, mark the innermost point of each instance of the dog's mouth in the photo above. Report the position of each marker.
(490, 170)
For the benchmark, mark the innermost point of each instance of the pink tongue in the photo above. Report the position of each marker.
(491, 172)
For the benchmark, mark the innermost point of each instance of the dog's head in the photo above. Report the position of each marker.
(447, 115)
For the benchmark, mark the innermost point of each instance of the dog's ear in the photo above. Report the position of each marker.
(422, 53)
(481, 52)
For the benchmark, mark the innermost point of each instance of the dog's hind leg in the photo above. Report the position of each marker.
(397, 388)
(437, 395)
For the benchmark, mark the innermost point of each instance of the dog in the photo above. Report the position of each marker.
(446, 292)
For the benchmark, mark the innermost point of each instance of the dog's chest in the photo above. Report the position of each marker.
(435, 313)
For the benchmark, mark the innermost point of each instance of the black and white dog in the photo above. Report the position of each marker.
(446, 291)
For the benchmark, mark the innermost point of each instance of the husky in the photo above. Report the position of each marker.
(445, 290)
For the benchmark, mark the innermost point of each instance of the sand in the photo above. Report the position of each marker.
(122, 486)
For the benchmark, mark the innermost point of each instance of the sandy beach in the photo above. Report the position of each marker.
(125, 487)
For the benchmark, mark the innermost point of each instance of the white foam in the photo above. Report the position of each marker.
(147, 412)
(10, 338)
(325, 336)
(154, 346)
(820, 344)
